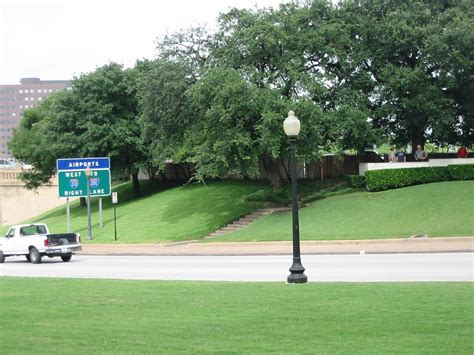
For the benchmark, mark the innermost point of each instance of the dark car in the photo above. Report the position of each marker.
(370, 156)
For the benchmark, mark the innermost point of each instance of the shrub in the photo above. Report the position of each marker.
(356, 181)
(282, 196)
(379, 180)
(461, 172)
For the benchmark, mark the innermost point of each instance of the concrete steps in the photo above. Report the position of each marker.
(245, 221)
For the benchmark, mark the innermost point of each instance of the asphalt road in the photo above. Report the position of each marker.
(350, 268)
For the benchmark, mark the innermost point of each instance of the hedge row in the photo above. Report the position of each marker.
(461, 172)
(379, 180)
(356, 181)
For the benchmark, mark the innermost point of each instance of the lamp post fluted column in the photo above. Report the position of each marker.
(292, 128)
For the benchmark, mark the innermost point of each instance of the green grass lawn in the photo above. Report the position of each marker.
(439, 209)
(161, 215)
(96, 316)
(165, 214)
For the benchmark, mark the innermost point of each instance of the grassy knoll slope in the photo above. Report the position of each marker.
(111, 317)
(439, 209)
(175, 214)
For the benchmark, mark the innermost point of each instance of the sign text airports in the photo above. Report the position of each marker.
(83, 163)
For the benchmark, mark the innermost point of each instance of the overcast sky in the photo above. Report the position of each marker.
(59, 39)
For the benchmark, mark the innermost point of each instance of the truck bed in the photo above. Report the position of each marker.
(62, 239)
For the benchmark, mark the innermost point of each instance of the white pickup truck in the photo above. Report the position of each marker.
(34, 242)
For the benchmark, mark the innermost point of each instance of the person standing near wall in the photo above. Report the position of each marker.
(420, 154)
(462, 152)
(391, 156)
(401, 157)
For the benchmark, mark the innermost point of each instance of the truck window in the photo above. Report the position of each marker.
(11, 233)
(28, 230)
(32, 230)
(41, 229)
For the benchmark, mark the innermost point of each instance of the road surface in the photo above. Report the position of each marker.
(348, 268)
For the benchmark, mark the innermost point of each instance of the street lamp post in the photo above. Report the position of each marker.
(88, 176)
(291, 126)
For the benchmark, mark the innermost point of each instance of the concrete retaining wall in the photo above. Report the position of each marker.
(18, 204)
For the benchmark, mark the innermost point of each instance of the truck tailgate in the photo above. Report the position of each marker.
(62, 239)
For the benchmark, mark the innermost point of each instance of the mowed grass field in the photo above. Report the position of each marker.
(110, 317)
(194, 210)
(440, 209)
(161, 215)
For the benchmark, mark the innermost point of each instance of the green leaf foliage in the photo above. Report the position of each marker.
(386, 179)
(461, 171)
(98, 117)
(356, 181)
(356, 73)
(165, 109)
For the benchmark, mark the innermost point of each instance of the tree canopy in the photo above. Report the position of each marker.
(98, 117)
(357, 73)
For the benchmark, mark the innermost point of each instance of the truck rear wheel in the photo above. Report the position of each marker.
(66, 258)
(28, 257)
(35, 256)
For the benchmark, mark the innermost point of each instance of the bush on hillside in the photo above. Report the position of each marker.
(461, 172)
(281, 196)
(379, 180)
(356, 181)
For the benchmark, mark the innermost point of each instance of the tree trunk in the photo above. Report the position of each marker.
(287, 169)
(136, 185)
(151, 173)
(163, 176)
(417, 138)
(272, 170)
(188, 168)
(176, 172)
(184, 171)
(82, 201)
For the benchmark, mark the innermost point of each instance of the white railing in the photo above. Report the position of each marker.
(9, 176)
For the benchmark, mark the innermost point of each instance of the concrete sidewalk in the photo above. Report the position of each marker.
(412, 245)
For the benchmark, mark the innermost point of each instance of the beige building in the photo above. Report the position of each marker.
(15, 99)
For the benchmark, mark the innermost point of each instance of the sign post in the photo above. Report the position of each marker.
(100, 212)
(68, 215)
(115, 201)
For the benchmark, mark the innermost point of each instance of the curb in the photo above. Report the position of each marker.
(194, 248)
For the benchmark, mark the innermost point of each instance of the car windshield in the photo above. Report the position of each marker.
(32, 230)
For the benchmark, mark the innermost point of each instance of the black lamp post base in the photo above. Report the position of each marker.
(297, 279)
(297, 275)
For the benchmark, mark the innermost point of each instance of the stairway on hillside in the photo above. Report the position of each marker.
(245, 221)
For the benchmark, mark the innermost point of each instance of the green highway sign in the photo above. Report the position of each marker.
(74, 183)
